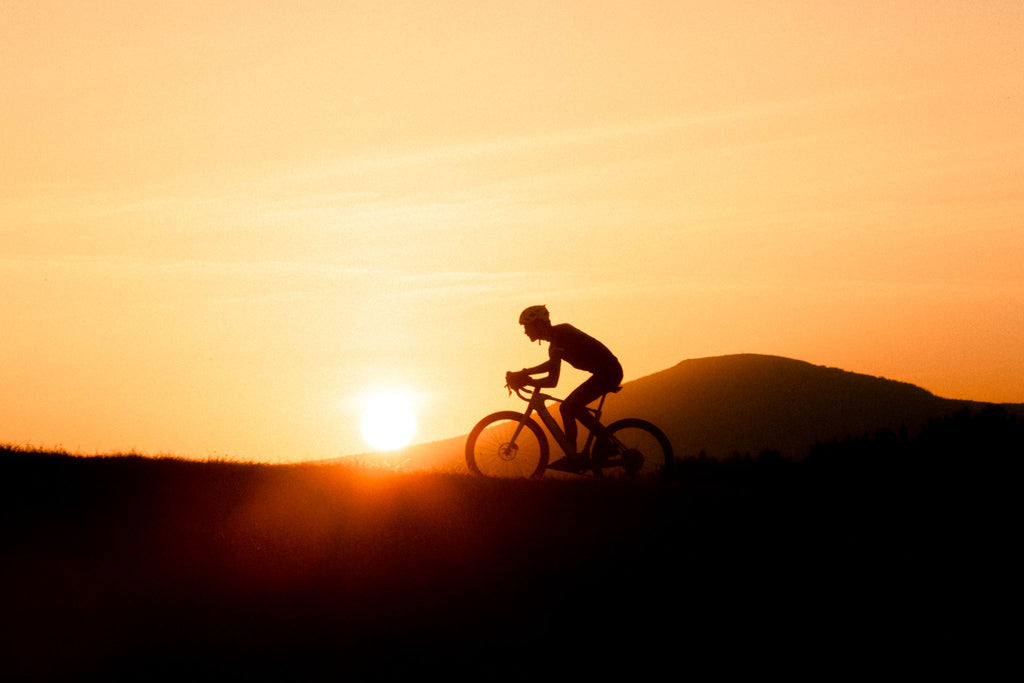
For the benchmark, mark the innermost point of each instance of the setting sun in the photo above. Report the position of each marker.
(388, 421)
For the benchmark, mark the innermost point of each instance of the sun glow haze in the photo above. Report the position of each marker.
(221, 221)
(388, 422)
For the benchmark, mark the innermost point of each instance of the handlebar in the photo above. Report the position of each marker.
(520, 390)
(527, 392)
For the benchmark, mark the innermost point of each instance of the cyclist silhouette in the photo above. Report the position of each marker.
(579, 350)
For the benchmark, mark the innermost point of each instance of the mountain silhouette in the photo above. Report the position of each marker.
(746, 404)
(749, 403)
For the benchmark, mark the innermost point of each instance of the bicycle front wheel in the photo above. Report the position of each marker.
(646, 450)
(507, 444)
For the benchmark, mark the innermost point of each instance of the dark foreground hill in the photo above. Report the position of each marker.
(140, 569)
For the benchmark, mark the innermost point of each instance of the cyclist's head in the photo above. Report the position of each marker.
(533, 314)
(535, 321)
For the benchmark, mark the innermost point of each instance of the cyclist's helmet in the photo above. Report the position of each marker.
(534, 313)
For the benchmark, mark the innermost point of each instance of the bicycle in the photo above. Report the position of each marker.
(512, 445)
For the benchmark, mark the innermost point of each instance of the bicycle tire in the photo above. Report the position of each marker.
(649, 451)
(488, 452)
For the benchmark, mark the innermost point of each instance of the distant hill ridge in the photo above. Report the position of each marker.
(749, 403)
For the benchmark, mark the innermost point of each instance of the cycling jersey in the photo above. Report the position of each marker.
(581, 351)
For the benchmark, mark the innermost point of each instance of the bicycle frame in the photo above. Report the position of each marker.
(535, 403)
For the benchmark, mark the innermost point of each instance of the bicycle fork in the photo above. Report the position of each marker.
(519, 428)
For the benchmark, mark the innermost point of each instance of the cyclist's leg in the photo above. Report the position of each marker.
(574, 406)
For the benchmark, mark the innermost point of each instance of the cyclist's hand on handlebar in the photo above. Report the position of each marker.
(516, 380)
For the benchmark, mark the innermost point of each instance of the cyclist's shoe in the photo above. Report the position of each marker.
(571, 463)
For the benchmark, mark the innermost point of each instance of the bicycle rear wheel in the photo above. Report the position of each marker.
(646, 450)
(490, 450)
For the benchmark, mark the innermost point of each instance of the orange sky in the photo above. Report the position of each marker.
(223, 225)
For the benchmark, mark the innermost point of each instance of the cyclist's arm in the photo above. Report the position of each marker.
(553, 368)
